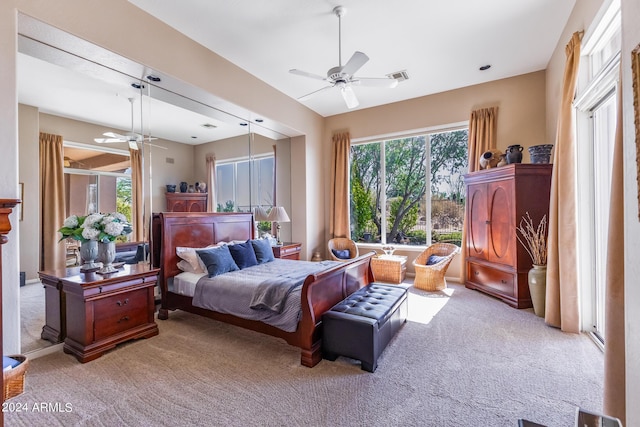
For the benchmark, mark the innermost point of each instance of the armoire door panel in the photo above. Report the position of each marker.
(477, 241)
(501, 226)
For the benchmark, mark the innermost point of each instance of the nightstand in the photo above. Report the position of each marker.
(288, 250)
(105, 310)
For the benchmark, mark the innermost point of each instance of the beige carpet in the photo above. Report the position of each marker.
(32, 317)
(464, 359)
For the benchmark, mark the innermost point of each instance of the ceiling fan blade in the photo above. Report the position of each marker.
(305, 74)
(357, 60)
(307, 96)
(107, 140)
(115, 135)
(349, 96)
(376, 82)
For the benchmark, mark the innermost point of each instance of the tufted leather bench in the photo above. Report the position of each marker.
(361, 326)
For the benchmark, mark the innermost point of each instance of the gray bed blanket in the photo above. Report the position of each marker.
(272, 293)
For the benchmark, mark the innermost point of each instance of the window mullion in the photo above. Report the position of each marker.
(427, 193)
(383, 193)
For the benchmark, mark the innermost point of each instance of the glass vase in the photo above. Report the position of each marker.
(106, 254)
(89, 253)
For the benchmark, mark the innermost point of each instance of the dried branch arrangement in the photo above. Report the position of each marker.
(534, 239)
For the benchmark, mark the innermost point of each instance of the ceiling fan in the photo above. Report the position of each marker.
(131, 137)
(343, 77)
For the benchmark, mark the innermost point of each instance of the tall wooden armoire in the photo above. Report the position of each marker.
(497, 199)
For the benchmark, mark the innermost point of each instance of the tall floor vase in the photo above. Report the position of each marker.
(106, 254)
(89, 253)
(538, 288)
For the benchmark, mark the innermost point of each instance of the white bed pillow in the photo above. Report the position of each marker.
(190, 255)
(184, 266)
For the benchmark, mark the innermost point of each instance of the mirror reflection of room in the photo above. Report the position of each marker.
(97, 177)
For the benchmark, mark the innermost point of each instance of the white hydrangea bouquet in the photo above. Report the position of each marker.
(100, 227)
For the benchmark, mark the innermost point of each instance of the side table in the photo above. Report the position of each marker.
(389, 268)
(101, 311)
(287, 250)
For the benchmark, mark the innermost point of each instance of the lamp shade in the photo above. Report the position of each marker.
(260, 214)
(278, 214)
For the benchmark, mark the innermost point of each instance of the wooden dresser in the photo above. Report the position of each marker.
(186, 202)
(288, 250)
(497, 199)
(102, 311)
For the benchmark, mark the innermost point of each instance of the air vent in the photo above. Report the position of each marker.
(209, 126)
(399, 75)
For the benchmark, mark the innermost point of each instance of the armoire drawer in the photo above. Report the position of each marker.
(487, 277)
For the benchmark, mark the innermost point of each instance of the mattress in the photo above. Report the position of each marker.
(185, 283)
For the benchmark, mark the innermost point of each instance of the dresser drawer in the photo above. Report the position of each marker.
(120, 312)
(491, 279)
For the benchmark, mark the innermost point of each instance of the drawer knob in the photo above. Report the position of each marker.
(477, 273)
(120, 303)
(124, 319)
(504, 282)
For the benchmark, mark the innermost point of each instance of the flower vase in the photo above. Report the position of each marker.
(89, 253)
(106, 254)
(538, 288)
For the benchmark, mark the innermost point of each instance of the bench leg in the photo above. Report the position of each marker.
(329, 356)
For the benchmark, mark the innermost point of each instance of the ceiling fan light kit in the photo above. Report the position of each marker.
(343, 77)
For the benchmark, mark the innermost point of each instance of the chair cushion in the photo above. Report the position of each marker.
(434, 259)
(342, 254)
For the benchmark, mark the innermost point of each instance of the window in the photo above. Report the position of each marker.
(96, 180)
(410, 190)
(241, 184)
(596, 122)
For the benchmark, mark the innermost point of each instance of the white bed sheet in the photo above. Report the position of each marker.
(185, 283)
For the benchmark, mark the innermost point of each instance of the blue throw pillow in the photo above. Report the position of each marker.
(218, 260)
(262, 248)
(434, 259)
(342, 254)
(243, 254)
(8, 362)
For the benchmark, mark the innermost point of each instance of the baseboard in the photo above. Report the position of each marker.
(34, 354)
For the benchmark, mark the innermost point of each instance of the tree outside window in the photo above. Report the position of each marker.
(422, 198)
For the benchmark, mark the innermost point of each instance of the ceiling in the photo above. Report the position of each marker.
(440, 45)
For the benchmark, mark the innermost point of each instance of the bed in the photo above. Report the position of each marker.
(319, 292)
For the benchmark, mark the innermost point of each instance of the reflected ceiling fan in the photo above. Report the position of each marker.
(132, 138)
(343, 77)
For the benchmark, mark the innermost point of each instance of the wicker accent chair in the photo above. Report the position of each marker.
(340, 244)
(431, 277)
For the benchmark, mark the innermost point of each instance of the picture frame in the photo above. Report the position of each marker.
(20, 205)
(635, 69)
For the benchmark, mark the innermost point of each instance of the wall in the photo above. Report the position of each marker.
(519, 122)
(630, 39)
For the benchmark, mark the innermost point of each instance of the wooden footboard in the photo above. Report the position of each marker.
(320, 291)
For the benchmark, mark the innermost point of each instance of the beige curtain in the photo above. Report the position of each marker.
(52, 201)
(482, 134)
(482, 137)
(211, 183)
(137, 197)
(562, 309)
(614, 343)
(339, 176)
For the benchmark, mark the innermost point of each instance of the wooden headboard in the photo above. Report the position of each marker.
(196, 230)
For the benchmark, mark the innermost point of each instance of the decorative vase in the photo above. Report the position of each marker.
(183, 187)
(538, 288)
(106, 254)
(514, 154)
(540, 153)
(171, 188)
(191, 189)
(88, 253)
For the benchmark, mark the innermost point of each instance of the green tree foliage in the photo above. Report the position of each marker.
(228, 207)
(361, 208)
(124, 198)
(449, 161)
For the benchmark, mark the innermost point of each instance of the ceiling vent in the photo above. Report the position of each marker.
(209, 126)
(399, 75)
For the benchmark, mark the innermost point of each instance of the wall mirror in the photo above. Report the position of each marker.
(63, 81)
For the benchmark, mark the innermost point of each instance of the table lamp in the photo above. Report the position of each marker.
(278, 215)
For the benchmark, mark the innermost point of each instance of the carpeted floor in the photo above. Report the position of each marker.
(463, 359)
(32, 317)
